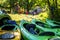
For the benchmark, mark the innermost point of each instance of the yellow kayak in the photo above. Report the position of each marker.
(10, 32)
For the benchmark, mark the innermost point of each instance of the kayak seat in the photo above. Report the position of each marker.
(10, 22)
(30, 28)
(32, 31)
(40, 23)
(47, 34)
(8, 27)
(7, 36)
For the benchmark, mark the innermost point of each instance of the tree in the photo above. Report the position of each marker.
(30, 4)
(54, 9)
(12, 2)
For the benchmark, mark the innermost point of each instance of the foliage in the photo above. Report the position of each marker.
(54, 7)
(31, 3)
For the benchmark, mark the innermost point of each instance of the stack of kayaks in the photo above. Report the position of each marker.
(31, 31)
(42, 26)
(9, 30)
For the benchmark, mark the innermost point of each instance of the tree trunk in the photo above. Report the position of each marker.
(51, 14)
(28, 5)
(54, 11)
(10, 6)
(57, 12)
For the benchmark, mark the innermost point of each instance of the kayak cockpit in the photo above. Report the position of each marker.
(43, 25)
(56, 23)
(40, 23)
(57, 26)
(8, 28)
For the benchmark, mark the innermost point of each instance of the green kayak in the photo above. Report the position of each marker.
(3, 18)
(31, 32)
(39, 24)
(52, 23)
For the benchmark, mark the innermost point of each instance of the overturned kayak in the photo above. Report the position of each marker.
(52, 23)
(31, 32)
(10, 32)
(43, 26)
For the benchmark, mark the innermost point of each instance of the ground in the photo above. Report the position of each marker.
(18, 17)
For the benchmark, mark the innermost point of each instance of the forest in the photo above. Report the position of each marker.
(51, 6)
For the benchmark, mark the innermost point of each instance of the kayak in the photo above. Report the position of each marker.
(52, 23)
(48, 23)
(38, 22)
(43, 26)
(31, 32)
(3, 18)
(10, 32)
